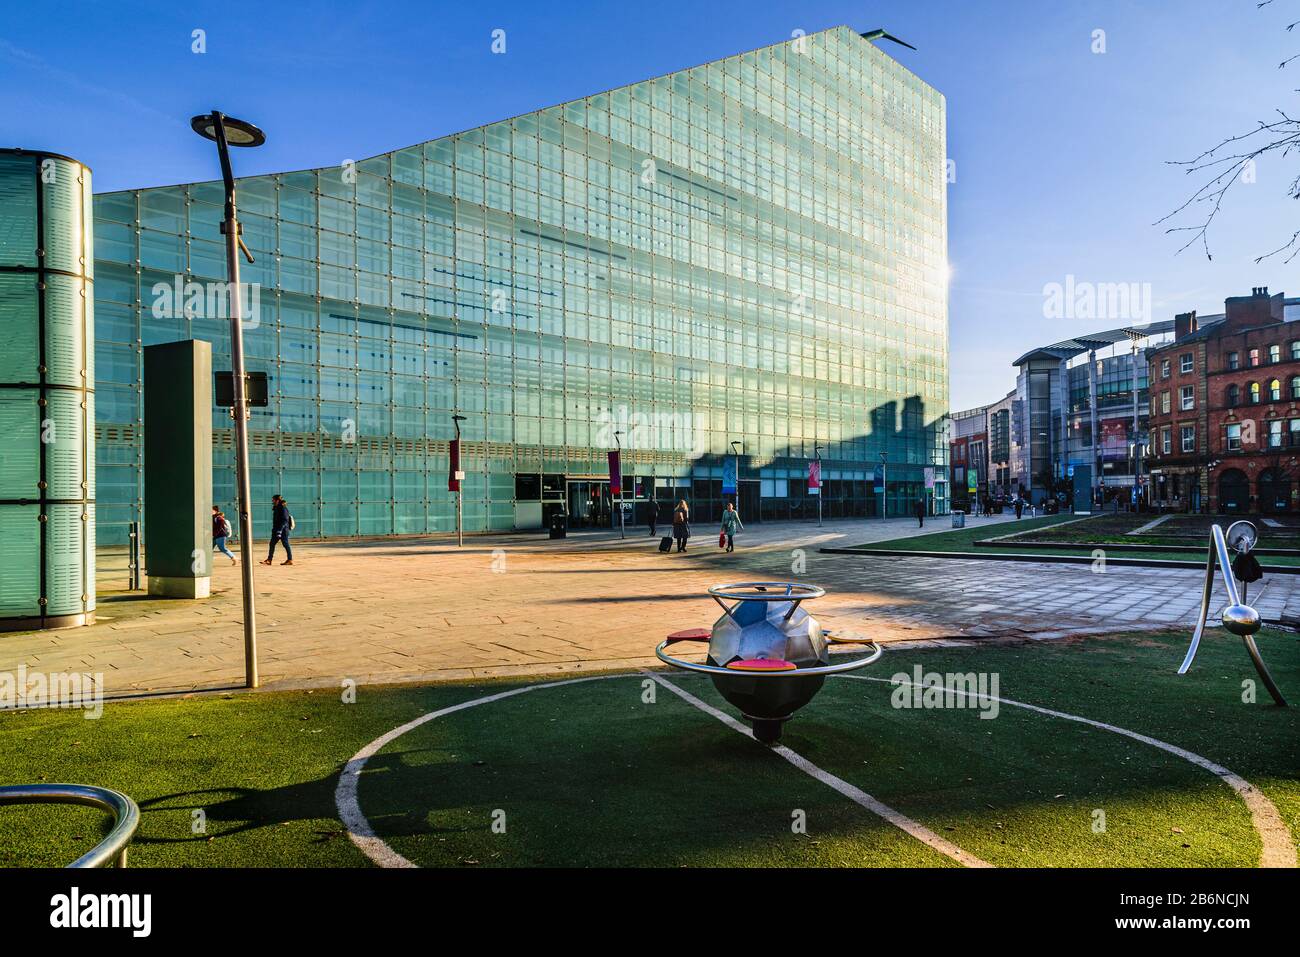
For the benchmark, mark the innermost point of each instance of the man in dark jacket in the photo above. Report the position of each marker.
(281, 522)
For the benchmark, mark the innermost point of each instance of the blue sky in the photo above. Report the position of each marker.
(1060, 152)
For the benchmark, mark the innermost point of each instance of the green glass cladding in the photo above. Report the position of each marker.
(47, 470)
(751, 251)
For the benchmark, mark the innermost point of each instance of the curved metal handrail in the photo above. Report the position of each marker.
(773, 675)
(1238, 618)
(788, 591)
(111, 851)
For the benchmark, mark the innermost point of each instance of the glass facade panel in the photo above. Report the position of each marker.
(750, 251)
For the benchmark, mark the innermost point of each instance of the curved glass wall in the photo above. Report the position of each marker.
(750, 251)
(47, 451)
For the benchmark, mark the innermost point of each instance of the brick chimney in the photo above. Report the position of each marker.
(1257, 309)
(1184, 324)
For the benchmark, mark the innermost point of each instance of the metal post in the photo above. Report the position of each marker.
(460, 489)
(133, 557)
(239, 412)
(622, 531)
(820, 484)
(884, 488)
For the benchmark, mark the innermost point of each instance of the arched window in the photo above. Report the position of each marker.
(1275, 390)
(1234, 394)
(1274, 354)
(1254, 393)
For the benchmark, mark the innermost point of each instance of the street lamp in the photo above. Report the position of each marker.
(226, 131)
(622, 530)
(884, 487)
(817, 451)
(735, 458)
(458, 474)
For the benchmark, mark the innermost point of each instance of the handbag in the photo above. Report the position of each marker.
(722, 539)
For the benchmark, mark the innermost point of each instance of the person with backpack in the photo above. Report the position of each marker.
(730, 525)
(221, 531)
(681, 524)
(282, 524)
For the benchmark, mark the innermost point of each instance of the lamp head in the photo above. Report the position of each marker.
(238, 132)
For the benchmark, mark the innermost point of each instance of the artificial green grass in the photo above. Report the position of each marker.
(1092, 534)
(593, 774)
(961, 539)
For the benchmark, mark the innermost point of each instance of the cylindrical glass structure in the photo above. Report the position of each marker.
(47, 392)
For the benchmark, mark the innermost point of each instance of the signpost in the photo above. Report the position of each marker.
(815, 482)
(616, 481)
(454, 477)
(882, 486)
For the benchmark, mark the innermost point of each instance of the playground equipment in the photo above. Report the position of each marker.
(767, 655)
(1238, 617)
(111, 851)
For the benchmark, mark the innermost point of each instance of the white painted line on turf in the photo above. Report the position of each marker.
(1278, 850)
(854, 794)
(345, 795)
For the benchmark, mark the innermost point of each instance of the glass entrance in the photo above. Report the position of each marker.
(590, 505)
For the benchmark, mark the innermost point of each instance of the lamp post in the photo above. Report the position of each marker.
(817, 451)
(884, 488)
(735, 457)
(622, 530)
(226, 131)
(458, 474)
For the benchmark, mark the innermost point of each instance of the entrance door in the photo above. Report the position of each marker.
(589, 505)
(748, 504)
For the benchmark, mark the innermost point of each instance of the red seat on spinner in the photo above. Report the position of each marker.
(762, 664)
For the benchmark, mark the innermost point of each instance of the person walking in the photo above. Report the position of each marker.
(281, 524)
(653, 517)
(681, 524)
(1020, 507)
(919, 510)
(220, 532)
(731, 524)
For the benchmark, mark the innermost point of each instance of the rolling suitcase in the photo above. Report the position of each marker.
(665, 543)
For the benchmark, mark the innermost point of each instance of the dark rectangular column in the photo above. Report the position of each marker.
(178, 468)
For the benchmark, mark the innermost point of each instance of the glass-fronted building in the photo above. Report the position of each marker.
(1084, 402)
(752, 251)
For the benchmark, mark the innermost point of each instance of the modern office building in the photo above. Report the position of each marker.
(749, 256)
(1082, 403)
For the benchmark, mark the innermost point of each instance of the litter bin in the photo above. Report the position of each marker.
(559, 525)
(958, 519)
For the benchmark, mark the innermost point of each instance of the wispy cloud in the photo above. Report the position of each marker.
(26, 60)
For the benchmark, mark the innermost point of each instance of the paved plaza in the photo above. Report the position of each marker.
(423, 609)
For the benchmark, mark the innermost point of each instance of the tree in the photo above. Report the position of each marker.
(1233, 159)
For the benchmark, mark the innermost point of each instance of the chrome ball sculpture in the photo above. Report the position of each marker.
(768, 656)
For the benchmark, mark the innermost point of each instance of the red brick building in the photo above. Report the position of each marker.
(1225, 410)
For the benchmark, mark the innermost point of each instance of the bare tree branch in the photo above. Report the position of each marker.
(1279, 137)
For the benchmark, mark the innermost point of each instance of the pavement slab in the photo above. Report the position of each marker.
(421, 609)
